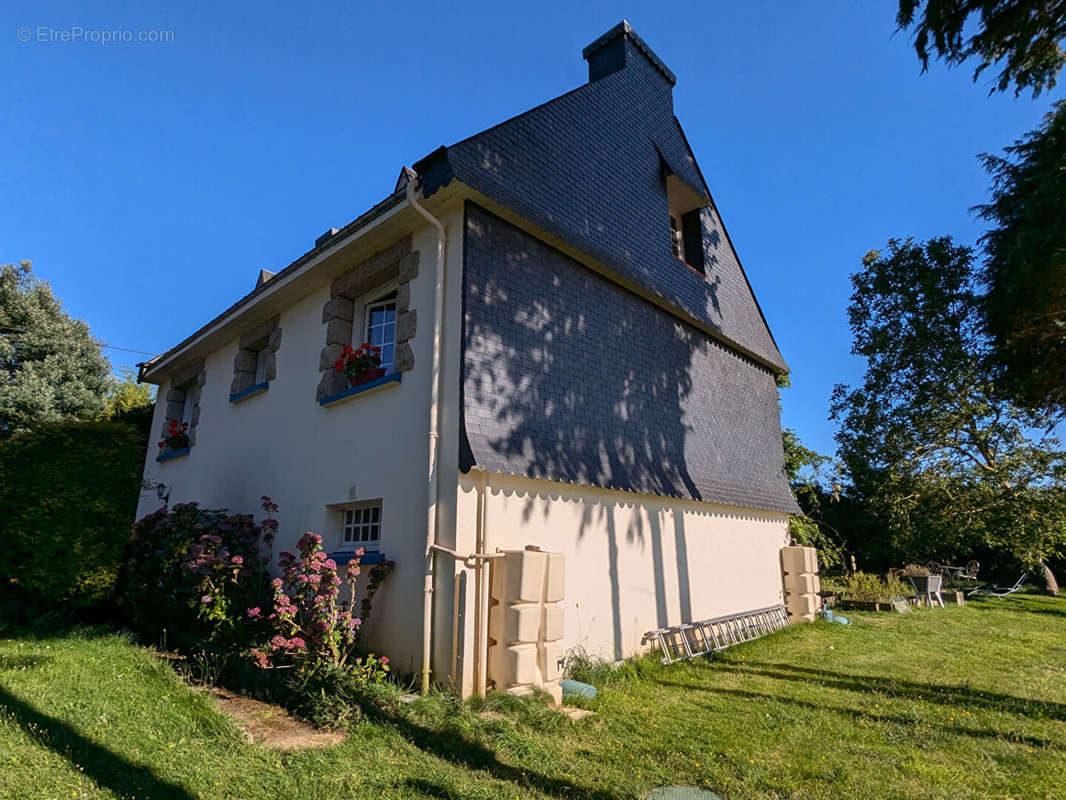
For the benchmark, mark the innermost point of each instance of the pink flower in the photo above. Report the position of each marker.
(276, 583)
(255, 612)
(384, 660)
(205, 599)
(297, 642)
(237, 559)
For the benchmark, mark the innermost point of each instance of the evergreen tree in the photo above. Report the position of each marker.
(51, 368)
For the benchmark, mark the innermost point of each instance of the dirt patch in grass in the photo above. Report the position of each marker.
(271, 726)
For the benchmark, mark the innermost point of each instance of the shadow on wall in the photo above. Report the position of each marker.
(569, 378)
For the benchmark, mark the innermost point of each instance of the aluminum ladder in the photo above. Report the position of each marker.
(692, 639)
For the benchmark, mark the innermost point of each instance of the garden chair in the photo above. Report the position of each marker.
(999, 591)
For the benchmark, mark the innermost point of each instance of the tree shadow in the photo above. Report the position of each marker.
(107, 769)
(861, 716)
(569, 377)
(1015, 604)
(469, 754)
(940, 694)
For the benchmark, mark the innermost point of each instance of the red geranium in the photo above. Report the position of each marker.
(355, 361)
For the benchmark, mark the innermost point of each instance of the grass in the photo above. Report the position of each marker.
(955, 703)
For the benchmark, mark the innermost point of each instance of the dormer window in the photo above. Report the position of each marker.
(685, 212)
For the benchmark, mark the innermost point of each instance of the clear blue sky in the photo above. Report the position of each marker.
(150, 182)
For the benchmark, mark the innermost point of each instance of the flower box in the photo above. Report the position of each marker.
(367, 375)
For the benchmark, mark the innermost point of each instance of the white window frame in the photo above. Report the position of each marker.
(361, 324)
(677, 238)
(187, 405)
(351, 519)
(260, 366)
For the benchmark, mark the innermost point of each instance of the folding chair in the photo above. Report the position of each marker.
(999, 591)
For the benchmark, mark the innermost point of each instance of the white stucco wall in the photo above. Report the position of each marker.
(283, 444)
(633, 562)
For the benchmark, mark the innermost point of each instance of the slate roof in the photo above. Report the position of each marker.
(588, 167)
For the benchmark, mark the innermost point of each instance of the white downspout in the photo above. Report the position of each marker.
(434, 413)
(483, 594)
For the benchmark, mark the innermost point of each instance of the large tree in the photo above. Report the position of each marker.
(1023, 37)
(944, 462)
(1026, 265)
(51, 368)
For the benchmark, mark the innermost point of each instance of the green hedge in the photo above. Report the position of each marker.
(68, 495)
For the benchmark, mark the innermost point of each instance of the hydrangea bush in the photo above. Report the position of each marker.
(223, 582)
(192, 572)
(313, 620)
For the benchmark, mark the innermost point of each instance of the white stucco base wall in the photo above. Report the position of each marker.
(633, 562)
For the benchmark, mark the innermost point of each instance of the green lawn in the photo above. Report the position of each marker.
(959, 703)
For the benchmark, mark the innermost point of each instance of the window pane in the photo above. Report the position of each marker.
(260, 366)
(386, 356)
(361, 527)
(376, 334)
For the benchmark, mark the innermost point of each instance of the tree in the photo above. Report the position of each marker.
(1025, 270)
(131, 402)
(1022, 35)
(943, 460)
(803, 468)
(51, 368)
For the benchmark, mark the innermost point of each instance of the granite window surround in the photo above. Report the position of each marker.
(397, 265)
(186, 386)
(265, 339)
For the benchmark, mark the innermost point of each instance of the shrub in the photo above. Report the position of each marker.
(314, 628)
(178, 557)
(68, 493)
(867, 588)
(914, 571)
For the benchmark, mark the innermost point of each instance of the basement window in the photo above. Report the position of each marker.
(361, 527)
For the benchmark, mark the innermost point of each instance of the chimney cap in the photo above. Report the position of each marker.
(625, 30)
(325, 237)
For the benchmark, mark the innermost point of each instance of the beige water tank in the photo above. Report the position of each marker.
(526, 621)
(799, 571)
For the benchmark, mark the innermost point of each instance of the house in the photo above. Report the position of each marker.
(574, 361)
